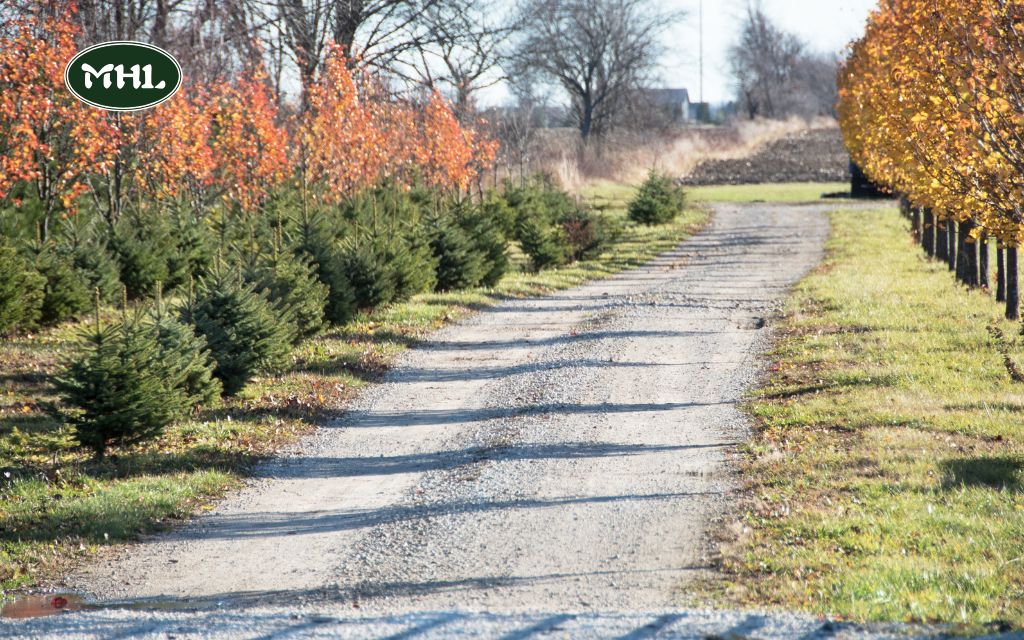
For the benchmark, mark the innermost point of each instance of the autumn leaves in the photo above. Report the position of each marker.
(932, 106)
(230, 143)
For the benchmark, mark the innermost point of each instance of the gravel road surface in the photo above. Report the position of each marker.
(566, 454)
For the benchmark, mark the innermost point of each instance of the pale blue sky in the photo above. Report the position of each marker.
(827, 25)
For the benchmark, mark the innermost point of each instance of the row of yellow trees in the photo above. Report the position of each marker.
(932, 106)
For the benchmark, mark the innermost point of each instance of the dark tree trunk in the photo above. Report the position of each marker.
(983, 262)
(928, 232)
(1000, 276)
(972, 257)
(951, 244)
(915, 222)
(962, 260)
(941, 243)
(1012, 293)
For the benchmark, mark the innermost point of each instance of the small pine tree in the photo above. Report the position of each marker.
(546, 245)
(245, 333)
(193, 249)
(83, 245)
(499, 213)
(290, 283)
(66, 293)
(118, 387)
(144, 246)
(186, 356)
(459, 263)
(485, 226)
(412, 262)
(658, 201)
(315, 243)
(21, 291)
(366, 263)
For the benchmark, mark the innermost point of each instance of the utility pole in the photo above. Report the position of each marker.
(700, 22)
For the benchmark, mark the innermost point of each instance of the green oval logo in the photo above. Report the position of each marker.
(123, 76)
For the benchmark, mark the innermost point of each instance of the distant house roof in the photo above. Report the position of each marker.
(670, 96)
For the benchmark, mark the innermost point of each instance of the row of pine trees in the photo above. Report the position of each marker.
(209, 303)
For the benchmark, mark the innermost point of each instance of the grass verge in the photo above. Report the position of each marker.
(606, 192)
(780, 192)
(886, 478)
(57, 507)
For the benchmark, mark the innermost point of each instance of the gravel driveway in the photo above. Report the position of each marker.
(562, 454)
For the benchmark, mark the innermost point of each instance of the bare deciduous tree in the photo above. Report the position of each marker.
(462, 54)
(598, 51)
(374, 33)
(775, 74)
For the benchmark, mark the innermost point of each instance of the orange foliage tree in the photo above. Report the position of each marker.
(47, 137)
(445, 149)
(249, 146)
(226, 141)
(178, 159)
(340, 145)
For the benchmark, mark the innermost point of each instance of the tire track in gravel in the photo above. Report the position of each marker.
(567, 452)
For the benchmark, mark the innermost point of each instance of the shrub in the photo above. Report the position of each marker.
(186, 355)
(291, 284)
(366, 264)
(459, 262)
(120, 387)
(66, 294)
(315, 243)
(545, 245)
(245, 333)
(587, 234)
(658, 201)
(21, 291)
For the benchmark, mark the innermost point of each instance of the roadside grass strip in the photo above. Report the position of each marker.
(791, 192)
(886, 477)
(58, 507)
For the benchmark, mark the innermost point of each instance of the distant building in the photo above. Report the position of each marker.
(676, 106)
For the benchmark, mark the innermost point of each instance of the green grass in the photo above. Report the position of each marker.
(57, 507)
(782, 192)
(606, 192)
(886, 480)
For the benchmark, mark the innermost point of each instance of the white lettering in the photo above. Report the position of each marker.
(147, 73)
(91, 72)
(122, 76)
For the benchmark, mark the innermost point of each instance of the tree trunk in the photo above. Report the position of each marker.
(983, 262)
(915, 222)
(962, 261)
(1000, 275)
(928, 232)
(1012, 293)
(951, 244)
(972, 257)
(941, 243)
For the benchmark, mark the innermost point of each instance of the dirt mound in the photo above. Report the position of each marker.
(815, 155)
